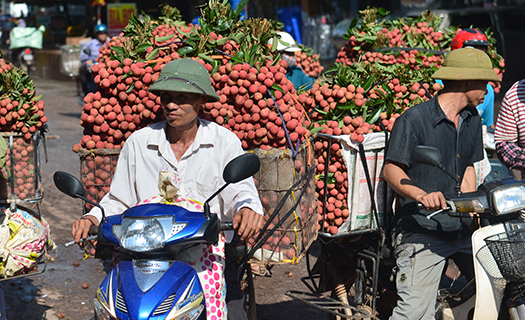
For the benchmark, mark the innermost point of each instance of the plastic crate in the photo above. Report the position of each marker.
(69, 60)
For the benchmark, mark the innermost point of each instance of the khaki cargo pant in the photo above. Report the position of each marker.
(420, 260)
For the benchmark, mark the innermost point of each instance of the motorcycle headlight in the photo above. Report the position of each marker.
(509, 199)
(145, 234)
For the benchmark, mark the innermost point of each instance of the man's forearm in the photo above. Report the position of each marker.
(400, 182)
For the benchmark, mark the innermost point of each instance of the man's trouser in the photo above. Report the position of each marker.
(234, 294)
(420, 260)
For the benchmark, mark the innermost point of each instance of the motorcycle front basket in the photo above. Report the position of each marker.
(508, 250)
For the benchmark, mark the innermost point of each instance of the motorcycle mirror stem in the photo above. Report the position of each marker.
(70, 185)
(431, 156)
(207, 212)
(104, 219)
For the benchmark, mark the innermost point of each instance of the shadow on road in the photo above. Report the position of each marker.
(289, 310)
(72, 115)
(23, 290)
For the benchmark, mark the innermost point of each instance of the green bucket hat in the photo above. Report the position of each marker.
(185, 75)
(467, 64)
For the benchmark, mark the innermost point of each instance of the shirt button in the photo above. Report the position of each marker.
(458, 177)
(458, 155)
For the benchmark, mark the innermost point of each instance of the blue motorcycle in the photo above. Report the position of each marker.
(152, 285)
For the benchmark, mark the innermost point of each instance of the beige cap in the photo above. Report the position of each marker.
(467, 64)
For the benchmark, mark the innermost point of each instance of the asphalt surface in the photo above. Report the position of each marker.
(59, 291)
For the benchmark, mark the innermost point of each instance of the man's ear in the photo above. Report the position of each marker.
(204, 99)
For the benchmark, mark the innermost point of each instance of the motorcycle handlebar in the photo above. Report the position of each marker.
(93, 231)
(420, 206)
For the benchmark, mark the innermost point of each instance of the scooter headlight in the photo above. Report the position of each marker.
(508, 199)
(144, 234)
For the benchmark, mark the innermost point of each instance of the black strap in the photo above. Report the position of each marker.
(370, 187)
(183, 80)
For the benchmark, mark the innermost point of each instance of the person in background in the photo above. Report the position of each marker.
(89, 53)
(287, 47)
(476, 39)
(21, 22)
(509, 134)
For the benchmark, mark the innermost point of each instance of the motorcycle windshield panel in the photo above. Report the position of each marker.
(193, 220)
(177, 291)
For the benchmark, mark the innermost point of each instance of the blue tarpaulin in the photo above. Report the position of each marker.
(291, 17)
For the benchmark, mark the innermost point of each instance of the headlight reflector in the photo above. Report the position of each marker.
(509, 199)
(143, 234)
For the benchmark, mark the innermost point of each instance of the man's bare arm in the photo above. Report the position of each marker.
(396, 177)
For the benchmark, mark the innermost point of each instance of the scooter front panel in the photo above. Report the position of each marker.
(174, 293)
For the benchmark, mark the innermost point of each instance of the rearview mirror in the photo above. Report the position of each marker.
(426, 155)
(242, 167)
(69, 184)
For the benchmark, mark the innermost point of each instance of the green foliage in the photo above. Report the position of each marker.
(137, 39)
(170, 15)
(369, 32)
(372, 76)
(12, 85)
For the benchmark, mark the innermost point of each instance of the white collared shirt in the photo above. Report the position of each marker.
(147, 152)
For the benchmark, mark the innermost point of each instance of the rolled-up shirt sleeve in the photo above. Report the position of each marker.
(402, 142)
(512, 156)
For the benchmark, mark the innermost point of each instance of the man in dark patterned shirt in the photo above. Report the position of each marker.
(450, 123)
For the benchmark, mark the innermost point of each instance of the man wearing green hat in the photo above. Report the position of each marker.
(450, 123)
(196, 150)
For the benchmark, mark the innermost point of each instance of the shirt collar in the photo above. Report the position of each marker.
(438, 115)
(205, 135)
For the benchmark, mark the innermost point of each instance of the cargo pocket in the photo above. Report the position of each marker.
(405, 265)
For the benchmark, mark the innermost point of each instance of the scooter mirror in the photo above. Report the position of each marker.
(69, 184)
(242, 167)
(427, 155)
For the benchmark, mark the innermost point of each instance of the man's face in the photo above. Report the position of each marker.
(476, 92)
(181, 109)
(102, 37)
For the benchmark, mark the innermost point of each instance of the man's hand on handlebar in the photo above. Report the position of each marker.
(433, 201)
(80, 230)
(247, 223)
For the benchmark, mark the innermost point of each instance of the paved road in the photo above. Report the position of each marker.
(59, 289)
